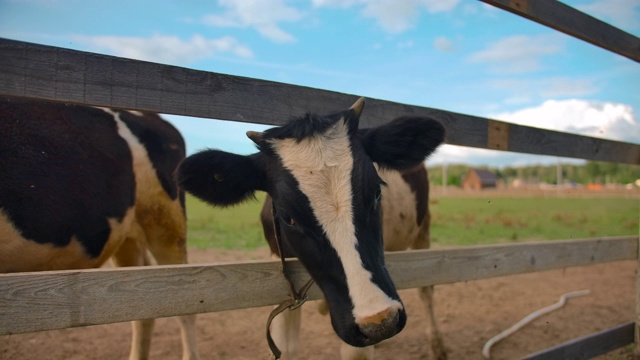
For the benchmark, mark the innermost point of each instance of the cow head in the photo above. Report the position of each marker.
(320, 172)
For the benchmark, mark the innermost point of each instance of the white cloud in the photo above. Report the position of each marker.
(392, 15)
(619, 13)
(443, 44)
(336, 3)
(262, 15)
(166, 49)
(599, 119)
(405, 44)
(561, 86)
(518, 99)
(518, 53)
(452, 154)
(525, 90)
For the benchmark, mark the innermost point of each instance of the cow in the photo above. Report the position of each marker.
(320, 172)
(80, 185)
(405, 225)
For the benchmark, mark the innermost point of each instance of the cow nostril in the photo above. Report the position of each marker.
(378, 318)
(381, 325)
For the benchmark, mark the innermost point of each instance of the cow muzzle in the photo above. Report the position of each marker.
(382, 325)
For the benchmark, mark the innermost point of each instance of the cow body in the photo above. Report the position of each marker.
(405, 225)
(80, 185)
(319, 172)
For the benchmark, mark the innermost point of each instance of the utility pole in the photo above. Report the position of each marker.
(558, 175)
(444, 176)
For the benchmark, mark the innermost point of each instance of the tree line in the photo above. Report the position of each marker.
(587, 173)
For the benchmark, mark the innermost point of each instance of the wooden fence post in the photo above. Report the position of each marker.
(636, 347)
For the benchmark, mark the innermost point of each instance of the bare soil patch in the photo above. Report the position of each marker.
(469, 314)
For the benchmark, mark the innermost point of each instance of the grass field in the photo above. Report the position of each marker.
(475, 221)
(455, 221)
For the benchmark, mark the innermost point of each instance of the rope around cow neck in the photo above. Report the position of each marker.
(296, 298)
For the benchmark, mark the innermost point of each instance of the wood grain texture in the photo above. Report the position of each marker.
(636, 347)
(62, 299)
(51, 73)
(570, 21)
(431, 267)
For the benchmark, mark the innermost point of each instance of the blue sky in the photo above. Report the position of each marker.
(457, 55)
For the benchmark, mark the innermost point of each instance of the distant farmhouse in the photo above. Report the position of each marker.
(479, 179)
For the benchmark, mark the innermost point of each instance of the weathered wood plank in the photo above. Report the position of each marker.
(636, 347)
(50, 73)
(570, 21)
(589, 346)
(61, 299)
(53, 300)
(414, 269)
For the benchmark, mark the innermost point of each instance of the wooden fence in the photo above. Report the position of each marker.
(60, 299)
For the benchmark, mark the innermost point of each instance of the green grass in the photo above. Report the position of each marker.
(475, 221)
(236, 227)
(455, 221)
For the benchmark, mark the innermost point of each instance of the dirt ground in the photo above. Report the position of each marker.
(469, 314)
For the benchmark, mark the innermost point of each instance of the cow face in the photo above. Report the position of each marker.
(320, 172)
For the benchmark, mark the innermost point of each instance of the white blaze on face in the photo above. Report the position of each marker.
(322, 166)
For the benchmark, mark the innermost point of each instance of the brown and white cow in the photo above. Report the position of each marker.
(326, 191)
(80, 185)
(405, 225)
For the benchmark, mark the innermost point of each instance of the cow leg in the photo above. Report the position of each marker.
(133, 253)
(167, 243)
(141, 339)
(188, 332)
(285, 331)
(434, 336)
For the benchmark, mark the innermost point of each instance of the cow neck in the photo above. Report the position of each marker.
(296, 298)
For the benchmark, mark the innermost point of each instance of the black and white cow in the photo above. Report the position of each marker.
(80, 185)
(405, 225)
(320, 173)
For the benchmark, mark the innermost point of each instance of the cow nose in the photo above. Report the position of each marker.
(381, 325)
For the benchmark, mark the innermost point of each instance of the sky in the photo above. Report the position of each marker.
(457, 55)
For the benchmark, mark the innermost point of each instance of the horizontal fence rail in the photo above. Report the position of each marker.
(589, 346)
(52, 73)
(570, 21)
(61, 299)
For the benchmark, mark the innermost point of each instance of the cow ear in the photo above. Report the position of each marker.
(221, 178)
(404, 142)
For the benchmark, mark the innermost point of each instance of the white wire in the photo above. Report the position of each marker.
(527, 319)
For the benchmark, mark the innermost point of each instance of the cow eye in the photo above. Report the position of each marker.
(287, 219)
(378, 194)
